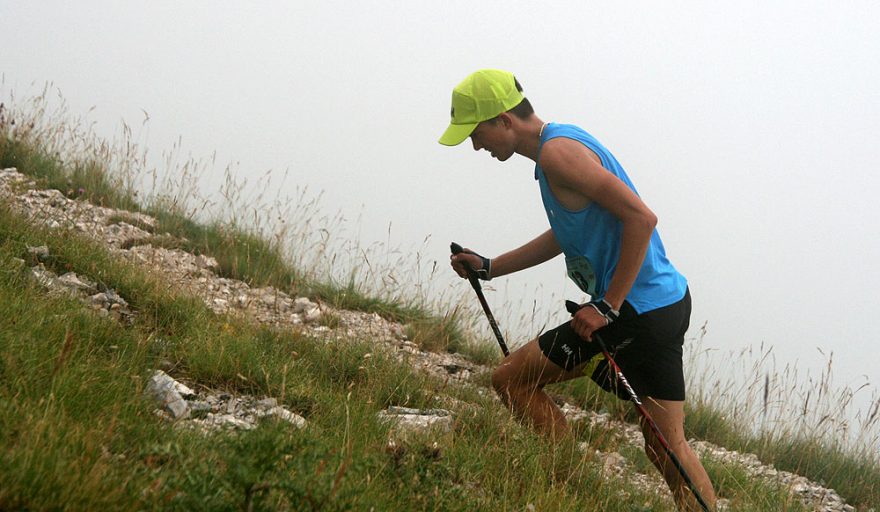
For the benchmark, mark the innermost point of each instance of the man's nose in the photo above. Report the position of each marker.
(477, 146)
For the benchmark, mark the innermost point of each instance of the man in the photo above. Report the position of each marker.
(641, 304)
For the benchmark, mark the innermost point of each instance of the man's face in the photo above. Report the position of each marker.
(495, 137)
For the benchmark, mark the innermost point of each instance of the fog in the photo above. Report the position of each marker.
(750, 130)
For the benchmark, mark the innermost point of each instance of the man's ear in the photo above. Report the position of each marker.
(506, 119)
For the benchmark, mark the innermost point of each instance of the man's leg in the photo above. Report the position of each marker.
(669, 417)
(520, 381)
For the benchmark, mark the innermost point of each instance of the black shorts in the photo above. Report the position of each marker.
(647, 347)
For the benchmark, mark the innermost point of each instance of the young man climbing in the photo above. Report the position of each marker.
(640, 302)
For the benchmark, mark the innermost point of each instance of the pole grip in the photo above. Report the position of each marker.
(472, 275)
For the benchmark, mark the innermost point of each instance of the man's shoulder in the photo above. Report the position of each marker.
(562, 150)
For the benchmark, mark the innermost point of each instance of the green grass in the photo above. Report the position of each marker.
(797, 427)
(241, 252)
(856, 478)
(747, 493)
(854, 475)
(78, 433)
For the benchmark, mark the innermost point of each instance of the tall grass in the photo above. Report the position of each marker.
(257, 236)
(803, 424)
(78, 434)
(132, 460)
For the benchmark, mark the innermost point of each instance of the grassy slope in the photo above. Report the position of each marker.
(78, 432)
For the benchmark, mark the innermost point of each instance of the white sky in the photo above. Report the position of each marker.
(750, 129)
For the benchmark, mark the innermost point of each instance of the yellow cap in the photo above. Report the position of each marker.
(481, 96)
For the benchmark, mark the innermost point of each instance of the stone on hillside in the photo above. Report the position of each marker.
(282, 413)
(267, 403)
(420, 420)
(165, 391)
(41, 253)
(114, 298)
(136, 218)
(313, 315)
(77, 283)
(573, 414)
(44, 277)
(121, 234)
(54, 196)
(227, 421)
(206, 262)
(303, 304)
(612, 462)
(199, 408)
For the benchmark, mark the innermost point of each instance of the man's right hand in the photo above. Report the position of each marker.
(481, 266)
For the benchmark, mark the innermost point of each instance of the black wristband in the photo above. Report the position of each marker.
(485, 272)
(604, 308)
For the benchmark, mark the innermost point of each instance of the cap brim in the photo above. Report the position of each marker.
(456, 133)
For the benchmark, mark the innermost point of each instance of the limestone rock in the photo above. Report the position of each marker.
(164, 390)
(420, 420)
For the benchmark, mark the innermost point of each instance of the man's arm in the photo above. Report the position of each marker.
(539, 250)
(575, 174)
(535, 252)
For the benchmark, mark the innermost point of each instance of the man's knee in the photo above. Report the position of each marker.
(508, 382)
(502, 381)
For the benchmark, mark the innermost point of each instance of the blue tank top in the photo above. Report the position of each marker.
(590, 237)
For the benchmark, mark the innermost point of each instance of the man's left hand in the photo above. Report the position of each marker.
(586, 321)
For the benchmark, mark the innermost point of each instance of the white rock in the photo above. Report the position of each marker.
(163, 389)
(312, 315)
(613, 462)
(418, 420)
(199, 407)
(294, 419)
(267, 403)
(40, 252)
(183, 389)
(228, 420)
(303, 304)
(71, 280)
(207, 262)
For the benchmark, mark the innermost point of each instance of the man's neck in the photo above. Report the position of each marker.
(529, 135)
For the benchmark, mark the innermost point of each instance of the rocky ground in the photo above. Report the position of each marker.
(130, 235)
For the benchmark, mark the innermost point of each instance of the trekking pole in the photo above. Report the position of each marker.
(573, 308)
(475, 283)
